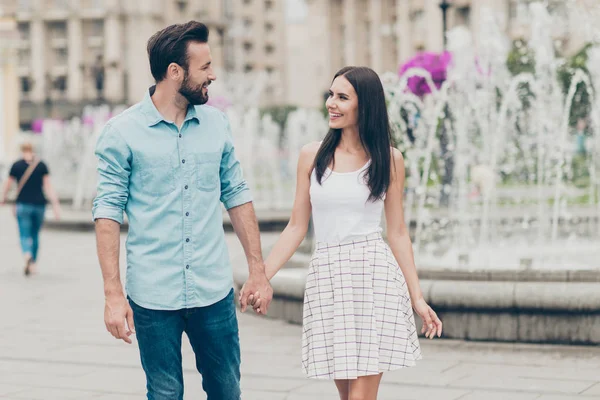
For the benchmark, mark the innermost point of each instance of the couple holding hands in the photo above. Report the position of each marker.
(169, 163)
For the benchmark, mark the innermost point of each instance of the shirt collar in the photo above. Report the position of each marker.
(153, 116)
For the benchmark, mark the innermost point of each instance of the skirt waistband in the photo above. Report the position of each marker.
(357, 242)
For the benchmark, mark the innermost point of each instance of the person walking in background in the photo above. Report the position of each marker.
(33, 185)
(581, 157)
(360, 292)
(581, 137)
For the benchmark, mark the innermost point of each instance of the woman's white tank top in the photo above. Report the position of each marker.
(340, 208)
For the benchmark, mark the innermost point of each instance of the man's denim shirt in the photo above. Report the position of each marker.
(171, 184)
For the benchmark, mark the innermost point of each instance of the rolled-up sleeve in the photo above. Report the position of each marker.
(234, 189)
(114, 169)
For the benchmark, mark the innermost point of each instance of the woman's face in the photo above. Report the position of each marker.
(342, 104)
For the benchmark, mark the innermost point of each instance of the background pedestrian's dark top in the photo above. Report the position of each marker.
(32, 192)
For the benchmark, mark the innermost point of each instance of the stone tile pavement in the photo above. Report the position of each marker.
(53, 345)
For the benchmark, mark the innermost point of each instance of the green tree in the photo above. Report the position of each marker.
(581, 106)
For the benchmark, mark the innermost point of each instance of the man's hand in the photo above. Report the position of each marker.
(256, 287)
(118, 317)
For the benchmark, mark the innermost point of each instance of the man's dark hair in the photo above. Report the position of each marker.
(170, 46)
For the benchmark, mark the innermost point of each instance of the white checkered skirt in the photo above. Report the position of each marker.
(358, 317)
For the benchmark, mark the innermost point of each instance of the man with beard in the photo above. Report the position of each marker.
(169, 163)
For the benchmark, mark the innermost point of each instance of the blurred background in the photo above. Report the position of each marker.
(493, 103)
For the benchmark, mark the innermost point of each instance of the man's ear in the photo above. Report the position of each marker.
(175, 72)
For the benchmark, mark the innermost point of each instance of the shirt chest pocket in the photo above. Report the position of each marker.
(207, 171)
(157, 176)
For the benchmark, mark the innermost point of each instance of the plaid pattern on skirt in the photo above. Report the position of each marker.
(358, 318)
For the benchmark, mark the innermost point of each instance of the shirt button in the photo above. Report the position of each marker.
(183, 161)
(186, 186)
(180, 135)
(187, 267)
(187, 214)
(187, 240)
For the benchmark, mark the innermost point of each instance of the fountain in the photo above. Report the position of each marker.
(68, 149)
(513, 254)
(268, 162)
(514, 148)
(513, 202)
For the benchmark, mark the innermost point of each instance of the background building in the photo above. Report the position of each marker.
(76, 52)
(383, 34)
(256, 42)
(9, 109)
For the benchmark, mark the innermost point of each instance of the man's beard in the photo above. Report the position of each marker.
(192, 94)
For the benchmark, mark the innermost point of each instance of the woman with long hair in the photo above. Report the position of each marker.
(360, 292)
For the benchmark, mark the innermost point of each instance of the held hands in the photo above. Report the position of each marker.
(432, 325)
(257, 293)
(118, 318)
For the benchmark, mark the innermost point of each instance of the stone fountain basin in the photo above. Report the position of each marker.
(538, 306)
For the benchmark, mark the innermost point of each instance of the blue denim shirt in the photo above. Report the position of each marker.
(171, 184)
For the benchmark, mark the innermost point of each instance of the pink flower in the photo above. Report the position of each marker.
(434, 63)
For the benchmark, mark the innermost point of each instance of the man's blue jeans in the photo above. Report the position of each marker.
(213, 334)
(30, 218)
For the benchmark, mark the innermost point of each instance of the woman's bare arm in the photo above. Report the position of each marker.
(296, 229)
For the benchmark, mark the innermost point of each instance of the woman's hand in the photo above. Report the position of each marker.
(253, 300)
(431, 323)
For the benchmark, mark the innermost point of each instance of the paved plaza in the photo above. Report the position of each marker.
(53, 345)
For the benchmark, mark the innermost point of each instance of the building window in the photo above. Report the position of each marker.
(248, 46)
(62, 56)
(57, 30)
(269, 26)
(25, 84)
(97, 27)
(268, 4)
(60, 83)
(23, 28)
(269, 70)
(247, 2)
(248, 68)
(269, 48)
(247, 23)
(182, 5)
(463, 16)
(24, 57)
